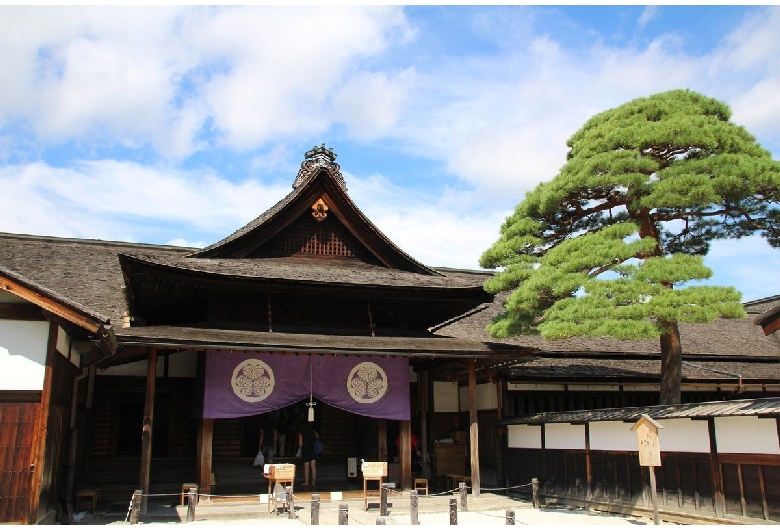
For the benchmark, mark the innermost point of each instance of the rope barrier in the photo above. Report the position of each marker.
(129, 507)
(393, 491)
(357, 518)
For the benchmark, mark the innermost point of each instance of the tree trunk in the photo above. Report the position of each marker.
(671, 365)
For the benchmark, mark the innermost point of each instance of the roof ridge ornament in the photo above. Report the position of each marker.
(319, 158)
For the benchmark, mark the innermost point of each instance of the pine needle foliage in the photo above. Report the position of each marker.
(610, 246)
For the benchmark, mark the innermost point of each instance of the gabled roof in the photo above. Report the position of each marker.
(319, 190)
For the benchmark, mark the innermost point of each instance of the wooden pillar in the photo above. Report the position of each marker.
(473, 427)
(205, 438)
(719, 496)
(405, 456)
(38, 445)
(146, 432)
(589, 465)
(382, 435)
(422, 389)
(499, 443)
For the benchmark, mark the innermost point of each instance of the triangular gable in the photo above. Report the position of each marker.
(317, 220)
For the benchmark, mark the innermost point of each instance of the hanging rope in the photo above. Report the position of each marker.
(311, 402)
(371, 320)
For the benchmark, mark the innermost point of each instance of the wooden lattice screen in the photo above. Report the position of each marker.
(307, 236)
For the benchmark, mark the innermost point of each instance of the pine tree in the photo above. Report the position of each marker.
(610, 246)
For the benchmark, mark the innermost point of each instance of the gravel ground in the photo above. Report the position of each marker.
(488, 510)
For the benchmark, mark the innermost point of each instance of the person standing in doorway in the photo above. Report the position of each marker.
(308, 454)
(282, 428)
(268, 437)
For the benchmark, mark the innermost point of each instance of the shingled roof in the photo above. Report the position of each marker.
(720, 338)
(83, 271)
(765, 407)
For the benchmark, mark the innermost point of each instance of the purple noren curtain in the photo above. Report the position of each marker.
(244, 384)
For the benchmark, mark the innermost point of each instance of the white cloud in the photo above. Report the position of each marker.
(450, 229)
(369, 103)
(125, 201)
(154, 76)
(648, 14)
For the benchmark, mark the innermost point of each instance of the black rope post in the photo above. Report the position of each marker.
(290, 503)
(413, 506)
(462, 492)
(343, 513)
(510, 517)
(315, 509)
(135, 507)
(535, 488)
(383, 501)
(454, 511)
(191, 496)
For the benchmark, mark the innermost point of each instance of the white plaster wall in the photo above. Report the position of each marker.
(524, 436)
(612, 436)
(685, 435)
(564, 436)
(64, 347)
(445, 396)
(736, 434)
(9, 298)
(23, 354)
(137, 368)
(486, 397)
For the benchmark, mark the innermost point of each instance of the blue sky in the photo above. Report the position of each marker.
(180, 124)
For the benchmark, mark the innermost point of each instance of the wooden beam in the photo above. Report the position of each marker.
(146, 432)
(38, 449)
(473, 428)
(51, 305)
(771, 327)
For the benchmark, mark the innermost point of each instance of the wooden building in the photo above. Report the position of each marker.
(145, 366)
(710, 470)
(110, 355)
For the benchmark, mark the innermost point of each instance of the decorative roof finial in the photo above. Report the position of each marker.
(321, 151)
(319, 158)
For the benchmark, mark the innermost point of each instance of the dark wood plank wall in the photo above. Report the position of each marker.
(17, 421)
(684, 481)
(53, 478)
(176, 394)
(339, 432)
(226, 442)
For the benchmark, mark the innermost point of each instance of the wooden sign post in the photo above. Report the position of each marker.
(649, 453)
(376, 471)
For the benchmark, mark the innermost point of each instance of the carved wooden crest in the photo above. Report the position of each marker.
(319, 210)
